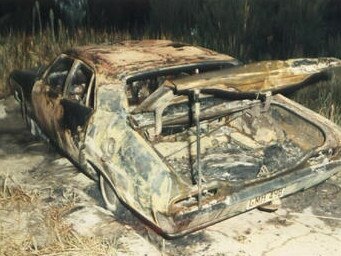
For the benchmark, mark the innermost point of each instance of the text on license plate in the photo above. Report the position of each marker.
(265, 198)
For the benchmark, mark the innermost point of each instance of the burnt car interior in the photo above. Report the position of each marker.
(71, 79)
(241, 141)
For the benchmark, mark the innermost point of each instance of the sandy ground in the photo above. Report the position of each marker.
(40, 188)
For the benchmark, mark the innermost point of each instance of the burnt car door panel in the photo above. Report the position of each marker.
(76, 107)
(74, 119)
(63, 101)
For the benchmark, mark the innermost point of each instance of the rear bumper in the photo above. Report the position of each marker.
(186, 222)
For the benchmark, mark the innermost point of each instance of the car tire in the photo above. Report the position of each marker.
(109, 195)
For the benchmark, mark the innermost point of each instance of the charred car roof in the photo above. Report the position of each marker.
(126, 58)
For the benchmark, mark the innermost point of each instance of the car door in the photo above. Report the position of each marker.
(75, 109)
(47, 93)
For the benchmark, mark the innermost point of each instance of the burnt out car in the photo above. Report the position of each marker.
(182, 136)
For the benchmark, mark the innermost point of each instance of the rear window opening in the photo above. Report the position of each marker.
(139, 87)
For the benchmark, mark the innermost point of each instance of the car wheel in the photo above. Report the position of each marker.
(109, 195)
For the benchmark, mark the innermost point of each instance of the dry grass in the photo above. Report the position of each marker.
(16, 195)
(324, 98)
(18, 205)
(78, 246)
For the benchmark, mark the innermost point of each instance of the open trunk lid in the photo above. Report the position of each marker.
(247, 80)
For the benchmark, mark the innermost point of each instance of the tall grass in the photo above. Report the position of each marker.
(245, 29)
(324, 98)
(253, 29)
(20, 50)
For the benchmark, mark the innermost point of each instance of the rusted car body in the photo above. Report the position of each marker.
(181, 135)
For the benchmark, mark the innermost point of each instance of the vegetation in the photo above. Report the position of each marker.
(247, 30)
(20, 50)
(16, 239)
(324, 98)
(253, 29)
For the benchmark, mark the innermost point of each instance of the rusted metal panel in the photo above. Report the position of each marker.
(275, 76)
(130, 57)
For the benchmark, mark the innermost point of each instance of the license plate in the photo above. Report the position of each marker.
(265, 198)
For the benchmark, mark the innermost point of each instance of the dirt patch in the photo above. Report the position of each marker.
(324, 200)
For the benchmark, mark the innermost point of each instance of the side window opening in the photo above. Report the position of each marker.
(56, 76)
(80, 82)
